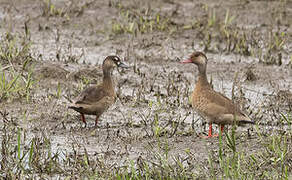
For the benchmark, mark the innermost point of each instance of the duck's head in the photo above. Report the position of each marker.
(197, 58)
(113, 61)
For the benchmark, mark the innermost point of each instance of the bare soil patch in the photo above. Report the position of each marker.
(151, 130)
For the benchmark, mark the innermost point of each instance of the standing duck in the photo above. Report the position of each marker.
(211, 105)
(95, 100)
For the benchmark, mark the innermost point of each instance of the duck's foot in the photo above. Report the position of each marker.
(209, 136)
(85, 125)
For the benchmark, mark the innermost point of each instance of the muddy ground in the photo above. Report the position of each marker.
(248, 44)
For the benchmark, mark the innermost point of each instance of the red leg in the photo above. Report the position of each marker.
(210, 130)
(222, 129)
(96, 120)
(83, 118)
(210, 133)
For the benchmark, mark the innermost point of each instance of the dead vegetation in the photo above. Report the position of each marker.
(151, 132)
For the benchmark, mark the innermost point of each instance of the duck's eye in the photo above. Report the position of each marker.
(116, 58)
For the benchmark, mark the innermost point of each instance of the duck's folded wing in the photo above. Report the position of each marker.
(91, 94)
(221, 100)
(96, 108)
(223, 115)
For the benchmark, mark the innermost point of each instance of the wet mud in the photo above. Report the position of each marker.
(153, 109)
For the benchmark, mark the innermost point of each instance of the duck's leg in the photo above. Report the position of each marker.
(221, 129)
(83, 118)
(96, 120)
(210, 132)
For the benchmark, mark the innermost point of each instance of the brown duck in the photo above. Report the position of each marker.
(211, 105)
(96, 99)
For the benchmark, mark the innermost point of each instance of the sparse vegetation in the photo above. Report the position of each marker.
(139, 21)
(16, 67)
(223, 35)
(151, 132)
(36, 155)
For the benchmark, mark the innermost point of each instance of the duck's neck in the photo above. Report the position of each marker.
(202, 80)
(107, 80)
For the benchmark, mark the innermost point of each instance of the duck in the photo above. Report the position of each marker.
(213, 106)
(95, 100)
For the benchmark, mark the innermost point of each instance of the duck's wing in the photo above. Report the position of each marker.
(94, 108)
(221, 100)
(91, 94)
(222, 115)
(223, 110)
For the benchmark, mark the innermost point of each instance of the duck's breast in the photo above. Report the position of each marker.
(199, 102)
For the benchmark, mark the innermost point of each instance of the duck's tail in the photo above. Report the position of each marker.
(74, 107)
(245, 120)
(240, 119)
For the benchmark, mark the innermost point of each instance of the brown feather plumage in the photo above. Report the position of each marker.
(213, 106)
(94, 100)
